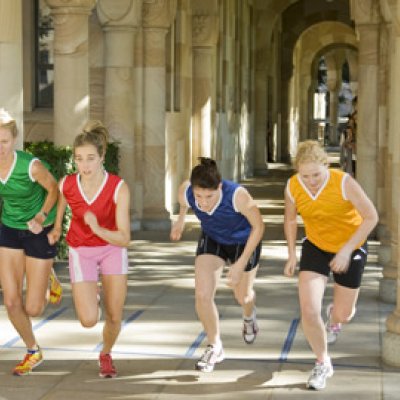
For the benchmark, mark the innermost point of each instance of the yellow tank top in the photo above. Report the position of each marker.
(329, 218)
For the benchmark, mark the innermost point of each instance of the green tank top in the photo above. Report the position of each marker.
(22, 196)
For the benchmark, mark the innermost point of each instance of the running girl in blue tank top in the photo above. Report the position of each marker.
(232, 229)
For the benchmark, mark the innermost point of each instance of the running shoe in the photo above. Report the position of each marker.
(107, 369)
(209, 358)
(32, 359)
(250, 330)
(319, 374)
(332, 330)
(55, 289)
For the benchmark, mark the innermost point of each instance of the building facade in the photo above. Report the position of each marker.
(241, 81)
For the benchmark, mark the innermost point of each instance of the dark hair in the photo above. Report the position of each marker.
(94, 133)
(206, 174)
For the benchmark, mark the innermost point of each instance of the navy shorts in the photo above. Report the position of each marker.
(317, 260)
(229, 253)
(34, 245)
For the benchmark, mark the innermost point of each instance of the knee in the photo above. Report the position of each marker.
(244, 298)
(310, 316)
(13, 305)
(343, 316)
(113, 319)
(88, 321)
(203, 297)
(34, 310)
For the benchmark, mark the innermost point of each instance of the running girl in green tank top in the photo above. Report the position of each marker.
(29, 194)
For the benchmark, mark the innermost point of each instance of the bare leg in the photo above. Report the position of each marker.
(114, 289)
(85, 300)
(311, 291)
(244, 292)
(208, 269)
(344, 304)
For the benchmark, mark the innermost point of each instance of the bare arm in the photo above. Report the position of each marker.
(369, 215)
(45, 179)
(55, 233)
(246, 205)
(290, 228)
(122, 236)
(179, 225)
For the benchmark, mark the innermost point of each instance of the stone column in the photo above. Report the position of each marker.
(391, 338)
(11, 74)
(157, 17)
(388, 107)
(71, 67)
(120, 21)
(204, 40)
(367, 25)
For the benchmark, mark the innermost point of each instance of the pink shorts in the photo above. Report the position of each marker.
(86, 263)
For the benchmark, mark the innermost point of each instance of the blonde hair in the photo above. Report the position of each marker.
(310, 151)
(94, 133)
(6, 121)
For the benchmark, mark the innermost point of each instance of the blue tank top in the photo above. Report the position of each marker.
(223, 224)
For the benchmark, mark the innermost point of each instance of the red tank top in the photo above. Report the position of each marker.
(102, 205)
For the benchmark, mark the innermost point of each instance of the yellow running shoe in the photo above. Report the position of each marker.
(55, 289)
(32, 360)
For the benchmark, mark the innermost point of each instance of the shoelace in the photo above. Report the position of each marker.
(106, 363)
(249, 326)
(318, 370)
(208, 354)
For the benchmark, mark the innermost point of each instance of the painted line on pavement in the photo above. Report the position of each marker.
(35, 327)
(289, 340)
(192, 348)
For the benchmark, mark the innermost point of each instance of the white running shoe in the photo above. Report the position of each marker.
(210, 357)
(332, 330)
(250, 330)
(319, 374)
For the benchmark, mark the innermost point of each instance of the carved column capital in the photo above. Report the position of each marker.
(204, 30)
(123, 13)
(158, 13)
(365, 12)
(71, 6)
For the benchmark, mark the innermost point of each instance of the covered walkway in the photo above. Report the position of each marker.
(161, 336)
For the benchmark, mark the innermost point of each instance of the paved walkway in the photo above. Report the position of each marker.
(161, 336)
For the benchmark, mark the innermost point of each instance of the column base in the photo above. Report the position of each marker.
(156, 224)
(391, 349)
(388, 290)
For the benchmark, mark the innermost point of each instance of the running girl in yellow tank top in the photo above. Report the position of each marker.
(338, 217)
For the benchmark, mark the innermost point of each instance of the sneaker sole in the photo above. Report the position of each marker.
(15, 373)
(208, 368)
(107, 376)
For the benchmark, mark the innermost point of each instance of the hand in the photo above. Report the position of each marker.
(91, 220)
(340, 263)
(234, 275)
(290, 267)
(35, 224)
(54, 236)
(176, 231)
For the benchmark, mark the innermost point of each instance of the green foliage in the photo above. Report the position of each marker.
(60, 162)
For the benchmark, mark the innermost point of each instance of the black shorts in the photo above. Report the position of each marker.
(34, 245)
(317, 260)
(229, 253)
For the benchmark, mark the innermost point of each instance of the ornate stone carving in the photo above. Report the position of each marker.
(158, 13)
(204, 30)
(366, 11)
(71, 5)
(122, 12)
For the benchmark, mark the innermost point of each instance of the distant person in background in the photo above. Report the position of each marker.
(350, 142)
(29, 193)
